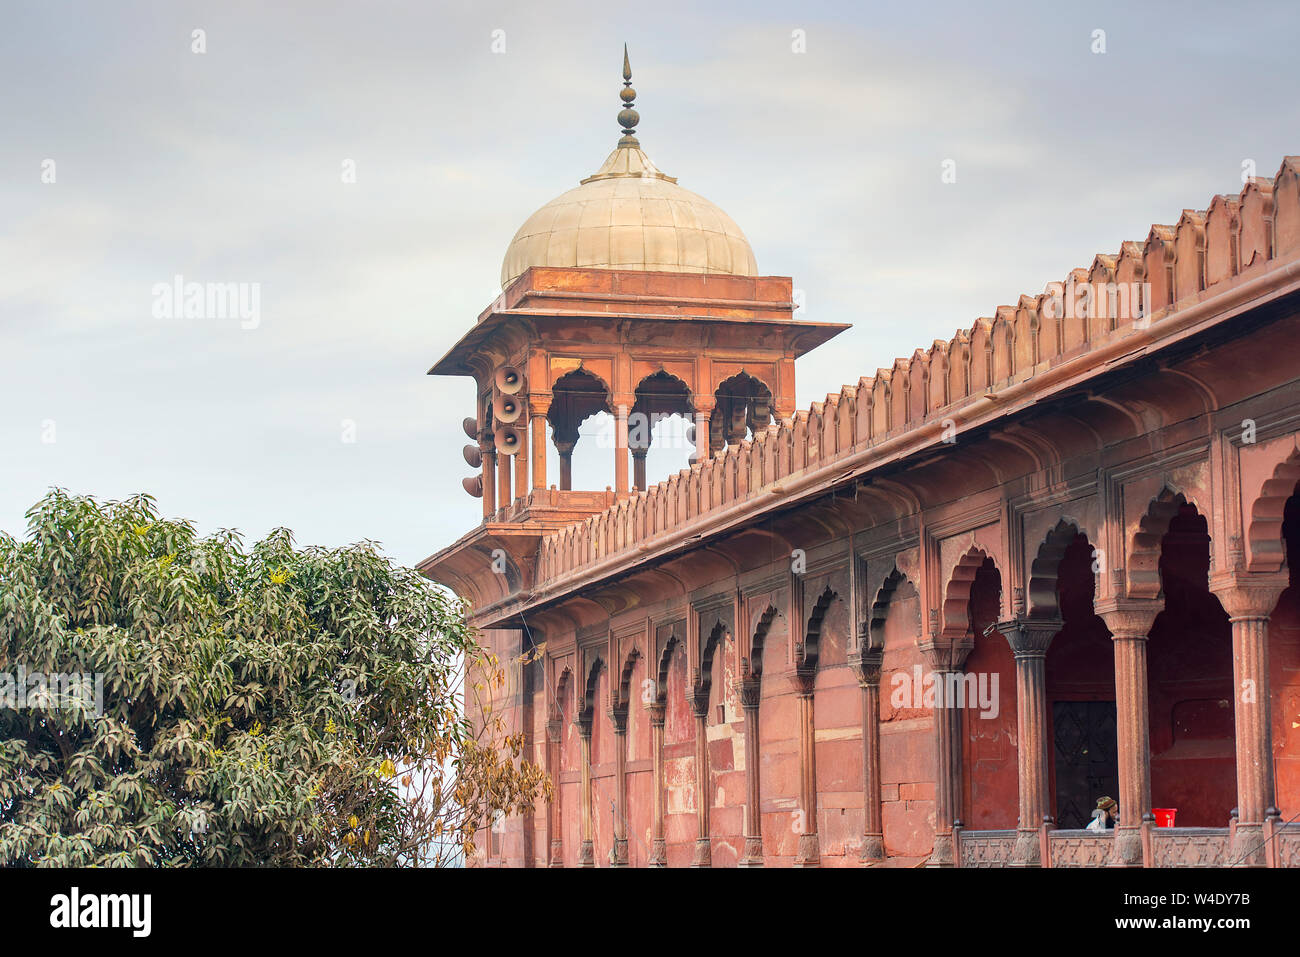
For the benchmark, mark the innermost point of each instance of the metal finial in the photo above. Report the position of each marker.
(628, 118)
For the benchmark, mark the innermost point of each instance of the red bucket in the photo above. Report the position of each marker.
(1164, 816)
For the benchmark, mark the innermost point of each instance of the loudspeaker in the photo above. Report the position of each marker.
(473, 456)
(473, 485)
(471, 427)
(507, 441)
(507, 408)
(508, 380)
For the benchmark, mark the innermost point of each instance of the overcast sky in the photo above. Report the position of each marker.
(227, 166)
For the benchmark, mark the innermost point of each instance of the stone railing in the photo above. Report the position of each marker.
(1079, 848)
(984, 848)
(1284, 849)
(1188, 847)
(1176, 268)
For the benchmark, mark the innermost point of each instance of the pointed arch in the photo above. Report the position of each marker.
(1044, 601)
(1264, 534)
(875, 635)
(956, 602)
(1144, 550)
(813, 633)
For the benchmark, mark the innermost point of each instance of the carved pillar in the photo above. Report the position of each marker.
(564, 443)
(945, 657)
(809, 854)
(1029, 639)
(658, 846)
(699, 701)
(555, 819)
(638, 468)
(618, 716)
(587, 853)
(703, 439)
(1129, 622)
(538, 422)
(866, 664)
(750, 691)
(1249, 600)
(489, 480)
(505, 494)
(620, 449)
(521, 457)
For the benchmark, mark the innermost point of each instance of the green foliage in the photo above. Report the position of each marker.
(275, 706)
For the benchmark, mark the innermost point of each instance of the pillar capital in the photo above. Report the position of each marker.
(1249, 594)
(554, 728)
(618, 717)
(946, 653)
(1128, 617)
(749, 691)
(658, 712)
(866, 665)
(1030, 637)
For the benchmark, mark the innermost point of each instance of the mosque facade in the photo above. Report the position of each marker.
(938, 618)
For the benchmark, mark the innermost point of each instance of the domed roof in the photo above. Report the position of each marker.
(629, 215)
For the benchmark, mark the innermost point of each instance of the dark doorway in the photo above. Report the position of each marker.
(1083, 735)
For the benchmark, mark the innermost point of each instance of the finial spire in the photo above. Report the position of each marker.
(628, 118)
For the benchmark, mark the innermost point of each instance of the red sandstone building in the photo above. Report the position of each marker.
(1082, 511)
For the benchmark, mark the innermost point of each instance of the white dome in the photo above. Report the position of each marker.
(628, 215)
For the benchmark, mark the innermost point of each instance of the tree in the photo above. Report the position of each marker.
(167, 699)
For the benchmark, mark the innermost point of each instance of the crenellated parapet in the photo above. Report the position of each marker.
(1122, 302)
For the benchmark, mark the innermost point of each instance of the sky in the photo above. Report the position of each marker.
(363, 166)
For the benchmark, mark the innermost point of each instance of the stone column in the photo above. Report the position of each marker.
(555, 819)
(538, 422)
(505, 494)
(564, 443)
(867, 665)
(1129, 622)
(1029, 639)
(489, 481)
(638, 468)
(945, 656)
(618, 716)
(699, 701)
(658, 846)
(750, 692)
(809, 853)
(1249, 600)
(521, 457)
(587, 854)
(703, 448)
(620, 449)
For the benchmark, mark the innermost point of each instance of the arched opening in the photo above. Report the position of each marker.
(603, 764)
(569, 780)
(907, 773)
(743, 405)
(1080, 687)
(656, 429)
(987, 700)
(680, 826)
(724, 789)
(636, 694)
(1190, 683)
(1284, 670)
(576, 397)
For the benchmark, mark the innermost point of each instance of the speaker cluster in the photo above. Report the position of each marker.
(507, 438)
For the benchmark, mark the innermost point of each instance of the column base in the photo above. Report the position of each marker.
(620, 853)
(753, 856)
(873, 847)
(587, 855)
(810, 854)
(658, 853)
(557, 854)
(1247, 847)
(1028, 850)
(1127, 850)
(942, 855)
(703, 853)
